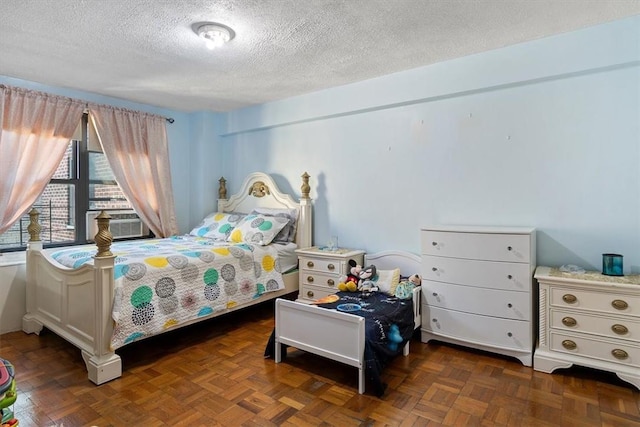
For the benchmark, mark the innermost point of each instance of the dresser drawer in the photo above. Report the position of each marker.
(488, 274)
(310, 292)
(335, 267)
(611, 351)
(473, 328)
(319, 280)
(611, 327)
(480, 246)
(490, 302)
(602, 302)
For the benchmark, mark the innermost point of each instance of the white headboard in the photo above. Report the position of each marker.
(259, 190)
(407, 262)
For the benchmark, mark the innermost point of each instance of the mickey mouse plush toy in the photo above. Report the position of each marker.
(350, 282)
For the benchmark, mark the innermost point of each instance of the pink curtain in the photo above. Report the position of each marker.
(135, 145)
(35, 129)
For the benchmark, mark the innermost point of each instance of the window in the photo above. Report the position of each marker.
(82, 182)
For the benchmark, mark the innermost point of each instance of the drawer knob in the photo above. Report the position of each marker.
(310, 279)
(509, 277)
(435, 294)
(509, 334)
(434, 243)
(569, 345)
(330, 282)
(434, 268)
(310, 294)
(509, 248)
(569, 321)
(310, 264)
(619, 353)
(569, 299)
(331, 267)
(619, 329)
(619, 304)
(509, 305)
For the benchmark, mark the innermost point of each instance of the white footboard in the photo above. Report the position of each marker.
(76, 305)
(328, 333)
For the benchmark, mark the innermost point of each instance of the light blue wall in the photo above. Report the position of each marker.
(182, 144)
(543, 134)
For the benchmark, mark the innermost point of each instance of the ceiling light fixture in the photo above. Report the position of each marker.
(214, 34)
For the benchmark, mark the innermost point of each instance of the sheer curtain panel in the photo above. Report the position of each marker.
(135, 145)
(35, 129)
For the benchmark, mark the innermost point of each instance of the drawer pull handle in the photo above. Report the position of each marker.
(310, 294)
(569, 299)
(331, 267)
(569, 321)
(310, 264)
(509, 277)
(620, 354)
(619, 304)
(434, 243)
(619, 329)
(509, 248)
(310, 279)
(330, 282)
(435, 294)
(509, 334)
(434, 320)
(509, 305)
(569, 345)
(434, 268)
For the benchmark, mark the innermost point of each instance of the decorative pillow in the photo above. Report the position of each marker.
(387, 280)
(217, 225)
(256, 229)
(404, 290)
(288, 232)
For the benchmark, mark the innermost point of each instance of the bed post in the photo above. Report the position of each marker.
(103, 364)
(222, 192)
(29, 323)
(305, 213)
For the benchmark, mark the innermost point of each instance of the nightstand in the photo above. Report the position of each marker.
(320, 270)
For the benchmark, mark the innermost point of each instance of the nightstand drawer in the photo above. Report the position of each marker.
(310, 292)
(479, 246)
(319, 279)
(335, 267)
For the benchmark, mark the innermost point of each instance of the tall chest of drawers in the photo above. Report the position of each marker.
(589, 320)
(320, 270)
(477, 288)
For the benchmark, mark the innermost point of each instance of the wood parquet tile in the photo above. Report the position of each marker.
(214, 374)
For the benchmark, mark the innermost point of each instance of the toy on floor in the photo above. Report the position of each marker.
(8, 394)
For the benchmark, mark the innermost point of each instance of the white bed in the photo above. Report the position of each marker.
(77, 304)
(311, 328)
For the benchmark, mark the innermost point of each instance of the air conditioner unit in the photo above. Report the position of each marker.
(124, 224)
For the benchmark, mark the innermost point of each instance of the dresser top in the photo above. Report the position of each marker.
(323, 252)
(480, 229)
(551, 273)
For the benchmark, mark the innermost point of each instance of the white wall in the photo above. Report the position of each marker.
(542, 134)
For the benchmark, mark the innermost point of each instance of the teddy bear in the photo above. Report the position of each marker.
(349, 283)
(404, 290)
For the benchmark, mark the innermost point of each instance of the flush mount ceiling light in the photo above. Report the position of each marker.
(214, 34)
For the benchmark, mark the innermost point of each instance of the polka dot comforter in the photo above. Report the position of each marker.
(162, 283)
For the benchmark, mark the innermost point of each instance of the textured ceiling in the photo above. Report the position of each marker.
(146, 51)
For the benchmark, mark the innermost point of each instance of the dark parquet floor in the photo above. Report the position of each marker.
(214, 374)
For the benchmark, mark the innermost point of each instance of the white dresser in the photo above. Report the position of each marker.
(590, 320)
(477, 288)
(320, 270)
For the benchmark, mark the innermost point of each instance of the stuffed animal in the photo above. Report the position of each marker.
(366, 282)
(415, 279)
(404, 290)
(349, 283)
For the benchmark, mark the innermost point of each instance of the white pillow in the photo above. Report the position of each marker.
(288, 233)
(256, 229)
(387, 280)
(217, 225)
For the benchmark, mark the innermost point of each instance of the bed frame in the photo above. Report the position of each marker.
(76, 303)
(311, 328)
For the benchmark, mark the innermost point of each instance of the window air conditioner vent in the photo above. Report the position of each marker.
(124, 224)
